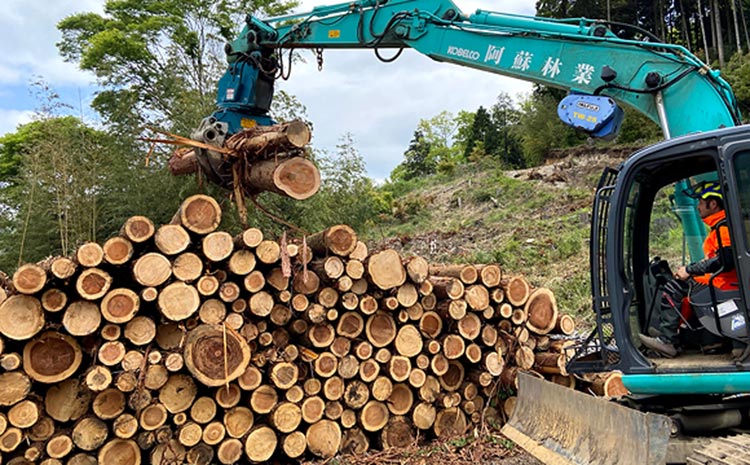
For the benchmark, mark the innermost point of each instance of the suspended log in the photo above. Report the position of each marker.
(273, 139)
(295, 177)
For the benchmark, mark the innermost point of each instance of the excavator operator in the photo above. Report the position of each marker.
(694, 279)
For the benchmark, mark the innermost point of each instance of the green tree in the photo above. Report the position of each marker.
(348, 194)
(481, 131)
(540, 129)
(417, 161)
(503, 141)
(157, 61)
(464, 122)
(737, 74)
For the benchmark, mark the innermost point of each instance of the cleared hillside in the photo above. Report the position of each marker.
(533, 222)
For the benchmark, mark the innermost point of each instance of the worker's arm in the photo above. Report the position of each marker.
(723, 260)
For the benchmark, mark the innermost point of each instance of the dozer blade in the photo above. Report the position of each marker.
(561, 426)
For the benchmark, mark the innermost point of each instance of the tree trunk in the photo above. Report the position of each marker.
(199, 214)
(541, 308)
(215, 355)
(385, 269)
(716, 15)
(117, 251)
(296, 177)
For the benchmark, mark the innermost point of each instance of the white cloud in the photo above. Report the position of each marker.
(11, 119)
(379, 103)
(30, 34)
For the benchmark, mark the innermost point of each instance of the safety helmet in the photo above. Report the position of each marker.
(704, 190)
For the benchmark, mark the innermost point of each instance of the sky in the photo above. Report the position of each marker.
(379, 104)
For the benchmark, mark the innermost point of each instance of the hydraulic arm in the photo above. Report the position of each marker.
(665, 82)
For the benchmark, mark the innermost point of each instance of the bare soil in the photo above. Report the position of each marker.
(488, 449)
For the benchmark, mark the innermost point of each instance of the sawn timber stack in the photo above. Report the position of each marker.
(183, 344)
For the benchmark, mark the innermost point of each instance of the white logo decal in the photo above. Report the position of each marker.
(463, 53)
(551, 67)
(583, 73)
(494, 54)
(522, 61)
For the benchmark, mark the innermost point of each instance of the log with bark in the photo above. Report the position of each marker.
(259, 159)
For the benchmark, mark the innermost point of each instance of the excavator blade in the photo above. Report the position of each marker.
(560, 426)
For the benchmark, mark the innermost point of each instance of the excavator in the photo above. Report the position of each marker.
(678, 410)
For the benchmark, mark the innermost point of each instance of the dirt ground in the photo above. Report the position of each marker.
(487, 449)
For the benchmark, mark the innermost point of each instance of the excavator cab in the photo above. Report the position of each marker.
(643, 225)
(643, 211)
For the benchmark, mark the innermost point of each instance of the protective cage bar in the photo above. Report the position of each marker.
(599, 350)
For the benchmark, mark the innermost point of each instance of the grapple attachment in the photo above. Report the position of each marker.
(561, 426)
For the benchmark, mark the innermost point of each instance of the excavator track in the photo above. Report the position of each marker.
(731, 450)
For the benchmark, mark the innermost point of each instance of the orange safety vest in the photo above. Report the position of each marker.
(728, 279)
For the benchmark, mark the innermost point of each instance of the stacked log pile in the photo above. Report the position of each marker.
(183, 344)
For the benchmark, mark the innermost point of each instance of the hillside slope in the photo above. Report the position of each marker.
(533, 222)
